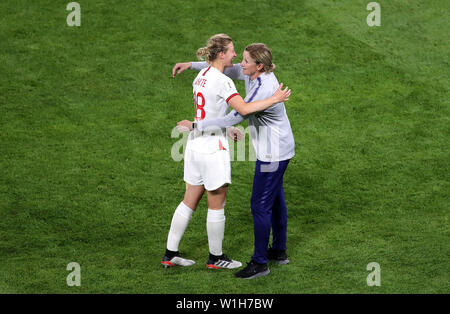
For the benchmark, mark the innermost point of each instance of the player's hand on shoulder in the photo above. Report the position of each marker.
(184, 126)
(180, 67)
(282, 94)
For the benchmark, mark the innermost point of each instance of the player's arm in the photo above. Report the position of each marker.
(180, 67)
(230, 119)
(234, 72)
(244, 109)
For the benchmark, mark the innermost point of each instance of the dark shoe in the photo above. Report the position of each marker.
(277, 256)
(253, 270)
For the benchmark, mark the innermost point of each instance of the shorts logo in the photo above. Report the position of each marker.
(221, 146)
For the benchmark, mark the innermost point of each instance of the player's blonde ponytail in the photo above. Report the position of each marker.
(217, 43)
(262, 55)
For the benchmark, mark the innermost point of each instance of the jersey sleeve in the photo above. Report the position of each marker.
(235, 72)
(227, 89)
(230, 119)
(198, 66)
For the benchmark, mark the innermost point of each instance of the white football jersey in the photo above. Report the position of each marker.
(212, 91)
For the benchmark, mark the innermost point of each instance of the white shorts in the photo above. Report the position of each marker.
(210, 170)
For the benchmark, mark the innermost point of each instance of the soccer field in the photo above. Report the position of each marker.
(87, 175)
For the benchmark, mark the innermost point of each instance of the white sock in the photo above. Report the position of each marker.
(215, 226)
(180, 221)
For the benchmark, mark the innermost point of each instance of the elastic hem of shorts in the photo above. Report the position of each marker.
(192, 184)
(218, 187)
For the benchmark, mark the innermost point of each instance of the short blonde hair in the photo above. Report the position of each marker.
(216, 43)
(262, 55)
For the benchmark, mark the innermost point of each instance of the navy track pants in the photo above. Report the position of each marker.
(268, 208)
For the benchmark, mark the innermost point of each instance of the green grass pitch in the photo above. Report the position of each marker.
(86, 173)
